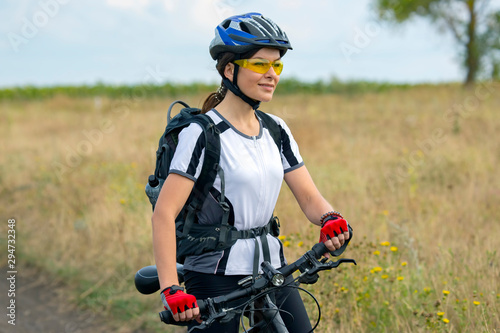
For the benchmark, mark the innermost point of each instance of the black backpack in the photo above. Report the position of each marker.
(194, 238)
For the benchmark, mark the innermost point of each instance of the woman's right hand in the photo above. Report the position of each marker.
(183, 306)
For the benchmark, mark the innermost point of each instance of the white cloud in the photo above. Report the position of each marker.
(128, 4)
(141, 5)
(169, 5)
(225, 8)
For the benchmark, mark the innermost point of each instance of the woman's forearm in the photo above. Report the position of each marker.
(164, 247)
(172, 198)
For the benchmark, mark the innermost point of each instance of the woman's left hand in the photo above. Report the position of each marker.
(334, 233)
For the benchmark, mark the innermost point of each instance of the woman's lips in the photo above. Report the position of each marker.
(268, 87)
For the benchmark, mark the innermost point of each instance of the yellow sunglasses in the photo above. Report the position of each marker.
(260, 66)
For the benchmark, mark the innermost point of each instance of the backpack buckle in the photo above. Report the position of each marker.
(275, 226)
(224, 206)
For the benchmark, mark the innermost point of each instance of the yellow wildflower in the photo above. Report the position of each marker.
(446, 292)
(122, 201)
(404, 263)
(376, 253)
(394, 249)
(385, 243)
(286, 244)
(300, 244)
(440, 314)
(385, 212)
(385, 276)
(476, 302)
(281, 237)
(446, 320)
(377, 269)
(401, 278)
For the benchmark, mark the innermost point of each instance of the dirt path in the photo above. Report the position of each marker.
(42, 306)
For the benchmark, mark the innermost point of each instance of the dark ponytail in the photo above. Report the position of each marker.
(216, 97)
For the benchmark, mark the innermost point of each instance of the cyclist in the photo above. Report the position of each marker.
(248, 49)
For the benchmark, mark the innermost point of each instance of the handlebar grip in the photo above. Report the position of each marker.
(319, 249)
(168, 318)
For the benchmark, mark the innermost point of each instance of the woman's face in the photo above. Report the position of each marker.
(258, 86)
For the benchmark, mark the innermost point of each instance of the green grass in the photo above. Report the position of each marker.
(73, 172)
(141, 91)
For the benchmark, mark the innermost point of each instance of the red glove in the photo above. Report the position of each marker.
(332, 228)
(175, 300)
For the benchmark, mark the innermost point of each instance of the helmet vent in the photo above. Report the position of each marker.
(244, 27)
(226, 24)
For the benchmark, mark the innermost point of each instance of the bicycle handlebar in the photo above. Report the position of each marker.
(308, 264)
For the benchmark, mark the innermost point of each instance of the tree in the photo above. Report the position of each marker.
(492, 36)
(475, 27)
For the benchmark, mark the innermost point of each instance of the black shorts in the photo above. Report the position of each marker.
(203, 286)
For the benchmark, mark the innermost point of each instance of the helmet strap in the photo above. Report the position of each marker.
(233, 87)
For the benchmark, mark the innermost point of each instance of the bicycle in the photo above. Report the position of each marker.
(257, 289)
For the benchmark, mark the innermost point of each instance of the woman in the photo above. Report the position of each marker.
(248, 49)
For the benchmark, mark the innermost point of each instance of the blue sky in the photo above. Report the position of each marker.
(52, 42)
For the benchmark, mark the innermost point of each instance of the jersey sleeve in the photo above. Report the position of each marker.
(290, 155)
(190, 152)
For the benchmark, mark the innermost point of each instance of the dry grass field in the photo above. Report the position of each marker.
(413, 170)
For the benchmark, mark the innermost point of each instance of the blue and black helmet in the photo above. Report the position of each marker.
(242, 33)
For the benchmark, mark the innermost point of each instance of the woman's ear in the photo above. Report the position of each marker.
(229, 71)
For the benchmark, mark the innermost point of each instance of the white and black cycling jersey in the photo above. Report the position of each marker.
(253, 171)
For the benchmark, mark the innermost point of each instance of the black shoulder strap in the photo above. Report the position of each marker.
(208, 172)
(272, 126)
(211, 159)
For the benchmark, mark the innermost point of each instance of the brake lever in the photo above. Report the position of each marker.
(210, 318)
(207, 322)
(335, 264)
(310, 276)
